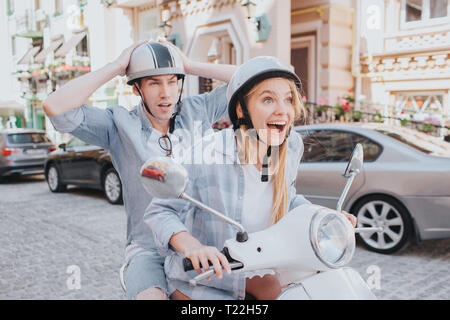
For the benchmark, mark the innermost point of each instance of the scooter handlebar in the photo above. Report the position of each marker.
(187, 264)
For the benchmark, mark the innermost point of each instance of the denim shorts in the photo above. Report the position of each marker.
(144, 270)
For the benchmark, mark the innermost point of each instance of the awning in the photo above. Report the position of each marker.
(54, 45)
(26, 59)
(69, 45)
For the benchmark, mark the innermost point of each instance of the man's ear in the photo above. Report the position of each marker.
(135, 90)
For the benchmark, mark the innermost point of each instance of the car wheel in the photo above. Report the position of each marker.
(54, 180)
(388, 213)
(112, 186)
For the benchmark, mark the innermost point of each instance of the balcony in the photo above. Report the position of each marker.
(133, 3)
(26, 26)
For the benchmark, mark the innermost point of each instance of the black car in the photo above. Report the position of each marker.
(81, 164)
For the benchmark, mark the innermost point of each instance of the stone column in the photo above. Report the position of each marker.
(336, 52)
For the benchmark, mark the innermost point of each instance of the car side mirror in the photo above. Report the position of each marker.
(63, 146)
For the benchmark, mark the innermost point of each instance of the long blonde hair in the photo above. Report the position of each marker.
(246, 152)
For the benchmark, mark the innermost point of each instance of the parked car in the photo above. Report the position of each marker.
(23, 151)
(81, 164)
(404, 186)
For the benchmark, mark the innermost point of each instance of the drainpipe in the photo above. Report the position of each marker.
(356, 64)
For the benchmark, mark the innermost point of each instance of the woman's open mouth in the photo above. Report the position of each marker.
(277, 125)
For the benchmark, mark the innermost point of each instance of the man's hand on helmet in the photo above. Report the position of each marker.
(186, 61)
(124, 59)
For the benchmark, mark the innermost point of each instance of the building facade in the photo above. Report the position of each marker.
(51, 42)
(405, 62)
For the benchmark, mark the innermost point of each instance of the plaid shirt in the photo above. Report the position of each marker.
(219, 185)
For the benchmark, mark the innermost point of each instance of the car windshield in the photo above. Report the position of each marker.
(32, 137)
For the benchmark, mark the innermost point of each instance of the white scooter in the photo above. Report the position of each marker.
(308, 248)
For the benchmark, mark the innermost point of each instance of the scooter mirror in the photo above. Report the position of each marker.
(164, 178)
(356, 161)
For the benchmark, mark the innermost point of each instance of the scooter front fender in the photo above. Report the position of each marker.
(337, 284)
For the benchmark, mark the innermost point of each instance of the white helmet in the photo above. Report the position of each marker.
(154, 59)
(248, 75)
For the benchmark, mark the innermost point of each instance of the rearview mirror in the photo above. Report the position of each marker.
(353, 168)
(356, 161)
(164, 178)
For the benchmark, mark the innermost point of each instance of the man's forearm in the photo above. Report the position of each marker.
(222, 72)
(74, 93)
(183, 242)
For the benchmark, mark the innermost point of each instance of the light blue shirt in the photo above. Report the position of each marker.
(125, 134)
(219, 185)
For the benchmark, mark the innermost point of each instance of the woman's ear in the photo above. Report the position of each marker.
(239, 112)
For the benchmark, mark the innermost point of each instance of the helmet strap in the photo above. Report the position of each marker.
(172, 118)
(246, 119)
(265, 166)
(142, 99)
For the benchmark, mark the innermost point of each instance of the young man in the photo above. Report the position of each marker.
(156, 71)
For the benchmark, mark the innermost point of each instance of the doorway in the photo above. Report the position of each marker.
(303, 58)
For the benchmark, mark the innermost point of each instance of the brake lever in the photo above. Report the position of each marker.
(193, 282)
(369, 229)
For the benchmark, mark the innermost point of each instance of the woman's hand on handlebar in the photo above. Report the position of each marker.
(350, 218)
(200, 256)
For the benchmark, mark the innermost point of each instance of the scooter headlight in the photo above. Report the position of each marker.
(332, 238)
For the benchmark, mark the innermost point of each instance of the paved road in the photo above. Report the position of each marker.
(47, 240)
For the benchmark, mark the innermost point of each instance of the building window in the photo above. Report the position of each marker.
(414, 10)
(9, 7)
(424, 12)
(13, 46)
(82, 49)
(336, 146)
(58, 8)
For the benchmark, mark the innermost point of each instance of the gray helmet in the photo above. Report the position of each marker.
(248, 75)
(154, 59)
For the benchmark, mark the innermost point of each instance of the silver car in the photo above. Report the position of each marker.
(404, 186)
(23, 151)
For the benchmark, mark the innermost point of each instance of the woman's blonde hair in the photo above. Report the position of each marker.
(278, 161)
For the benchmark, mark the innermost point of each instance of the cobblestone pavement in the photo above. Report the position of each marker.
(43, 235)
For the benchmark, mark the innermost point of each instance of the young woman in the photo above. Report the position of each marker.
(248, 173)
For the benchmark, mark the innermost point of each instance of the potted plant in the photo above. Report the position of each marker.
(427, 127)
(377, 117)
(356, 115)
